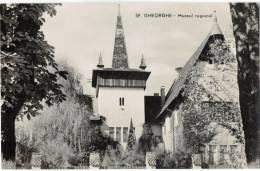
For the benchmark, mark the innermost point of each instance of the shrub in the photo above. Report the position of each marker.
(255, 164)
(177, 160)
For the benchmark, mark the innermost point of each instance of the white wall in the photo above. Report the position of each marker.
(108, 106)
(157, 129)
(167, 134)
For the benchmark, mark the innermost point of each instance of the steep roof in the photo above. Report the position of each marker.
(120, 58)
(179, 82)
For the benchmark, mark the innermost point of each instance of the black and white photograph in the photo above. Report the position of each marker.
(130, 85)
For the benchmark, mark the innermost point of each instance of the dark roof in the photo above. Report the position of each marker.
(152, 108)
(118, 71)
(179, 82)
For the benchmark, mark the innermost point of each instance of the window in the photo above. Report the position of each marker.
(111, 132)
(211, 61)
(223, 151)
(233, 153)
(121, 101)
(125, 134)
(212, 150)
(118, 134)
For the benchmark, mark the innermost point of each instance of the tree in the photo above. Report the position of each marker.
(245, 19)
(131, 138)
(25, 61)
(64, 126)
(145, 142)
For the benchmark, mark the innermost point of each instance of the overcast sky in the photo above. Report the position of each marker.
(80, 31)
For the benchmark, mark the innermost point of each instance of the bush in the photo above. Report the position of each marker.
(133, 158)
(177, 160)
(255, 164)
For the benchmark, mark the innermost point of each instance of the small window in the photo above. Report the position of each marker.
(211, 61)
(125, 134)
(121, 101)
(118, 134)
(111, 132)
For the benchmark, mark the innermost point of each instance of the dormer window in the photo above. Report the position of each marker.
(121, 101)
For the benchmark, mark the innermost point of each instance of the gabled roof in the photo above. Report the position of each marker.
(179, 82)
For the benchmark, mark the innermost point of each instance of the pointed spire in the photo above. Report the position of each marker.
(131, 124)
(142, 66)
(215, 17)
(100, 62)
(119, 10)
(215, 28)
(120, 58)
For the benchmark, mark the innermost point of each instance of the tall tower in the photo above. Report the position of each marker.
(120, 90)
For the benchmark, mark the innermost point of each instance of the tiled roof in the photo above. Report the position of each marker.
(179, 82)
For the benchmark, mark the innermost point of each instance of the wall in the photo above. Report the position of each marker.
(108, 106)
(167, 133)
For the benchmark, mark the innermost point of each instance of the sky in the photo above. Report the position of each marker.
(81, 31)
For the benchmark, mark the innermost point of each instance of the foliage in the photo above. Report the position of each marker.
(255, 164)
(178, 160)
(199, 123)
(105, 145)
(197, 127)
(133, 158)
(26, 56)
(145, 142)
(64, 126)
(56, 154)
(25, 59)
(112, 156)
(245, 19)
(131, 138)
(25, 148)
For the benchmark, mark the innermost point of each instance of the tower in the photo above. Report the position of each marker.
(120, 90)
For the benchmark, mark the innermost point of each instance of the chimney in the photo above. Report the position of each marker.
(156, 94)
(162, 96)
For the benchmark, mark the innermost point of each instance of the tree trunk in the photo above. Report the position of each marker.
(245, 18)
(8, 116)
(8, 143)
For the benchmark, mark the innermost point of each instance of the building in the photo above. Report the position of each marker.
(206, 87)
(120, 90)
